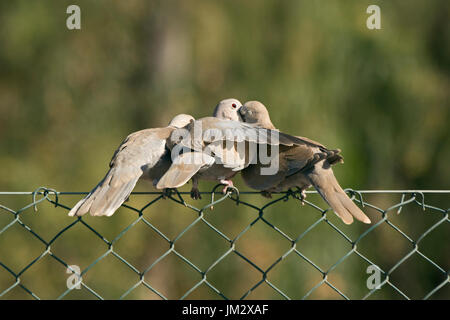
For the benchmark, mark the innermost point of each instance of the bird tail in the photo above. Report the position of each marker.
(107, 196)
(323, 179)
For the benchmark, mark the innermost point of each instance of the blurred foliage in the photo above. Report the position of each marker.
(68, 98)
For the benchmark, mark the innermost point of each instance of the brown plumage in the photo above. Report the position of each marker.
(302, 165)
(207, 157)
(142, 155)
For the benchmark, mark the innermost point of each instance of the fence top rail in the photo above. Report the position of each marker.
(218, 192)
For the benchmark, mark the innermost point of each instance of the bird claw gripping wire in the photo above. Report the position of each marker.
(166, 193)
(228, 192)
(231, 190)
(299, 194)
(169, 192)
(45, 192)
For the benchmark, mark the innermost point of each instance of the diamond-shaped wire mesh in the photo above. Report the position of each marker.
(201, 253)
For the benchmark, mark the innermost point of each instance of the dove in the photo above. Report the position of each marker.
(216, 148)
(227, 109)
(142, 155)
(301, 166)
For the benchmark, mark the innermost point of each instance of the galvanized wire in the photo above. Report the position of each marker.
(415, 197)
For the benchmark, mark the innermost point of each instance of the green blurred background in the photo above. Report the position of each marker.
(68, 99)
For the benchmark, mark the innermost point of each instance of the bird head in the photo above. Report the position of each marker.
(228, 109)
(256, 113)
(181, 120)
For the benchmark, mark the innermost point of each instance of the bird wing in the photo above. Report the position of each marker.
(183, 168)
(138, 152)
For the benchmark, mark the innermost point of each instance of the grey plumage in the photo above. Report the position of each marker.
(302, 166)
(142, 155)
(227, 153)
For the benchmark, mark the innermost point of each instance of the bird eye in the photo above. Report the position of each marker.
(234, 105)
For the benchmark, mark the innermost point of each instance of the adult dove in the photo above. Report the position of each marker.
(215, 148)
(302, 166)
(142, 155)
(227, 109)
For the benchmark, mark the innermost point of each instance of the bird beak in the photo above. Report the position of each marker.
(241, 113)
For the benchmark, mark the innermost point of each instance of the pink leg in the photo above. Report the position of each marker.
(302, 194)
(227, 183)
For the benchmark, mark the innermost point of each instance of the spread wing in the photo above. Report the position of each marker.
(211, 129)
(137, 153)
(229, 141)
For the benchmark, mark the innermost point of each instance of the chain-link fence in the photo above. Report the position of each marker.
(422, 228)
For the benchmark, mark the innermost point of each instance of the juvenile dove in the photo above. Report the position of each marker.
(302, 166)
(215, 148)
(143, 154)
